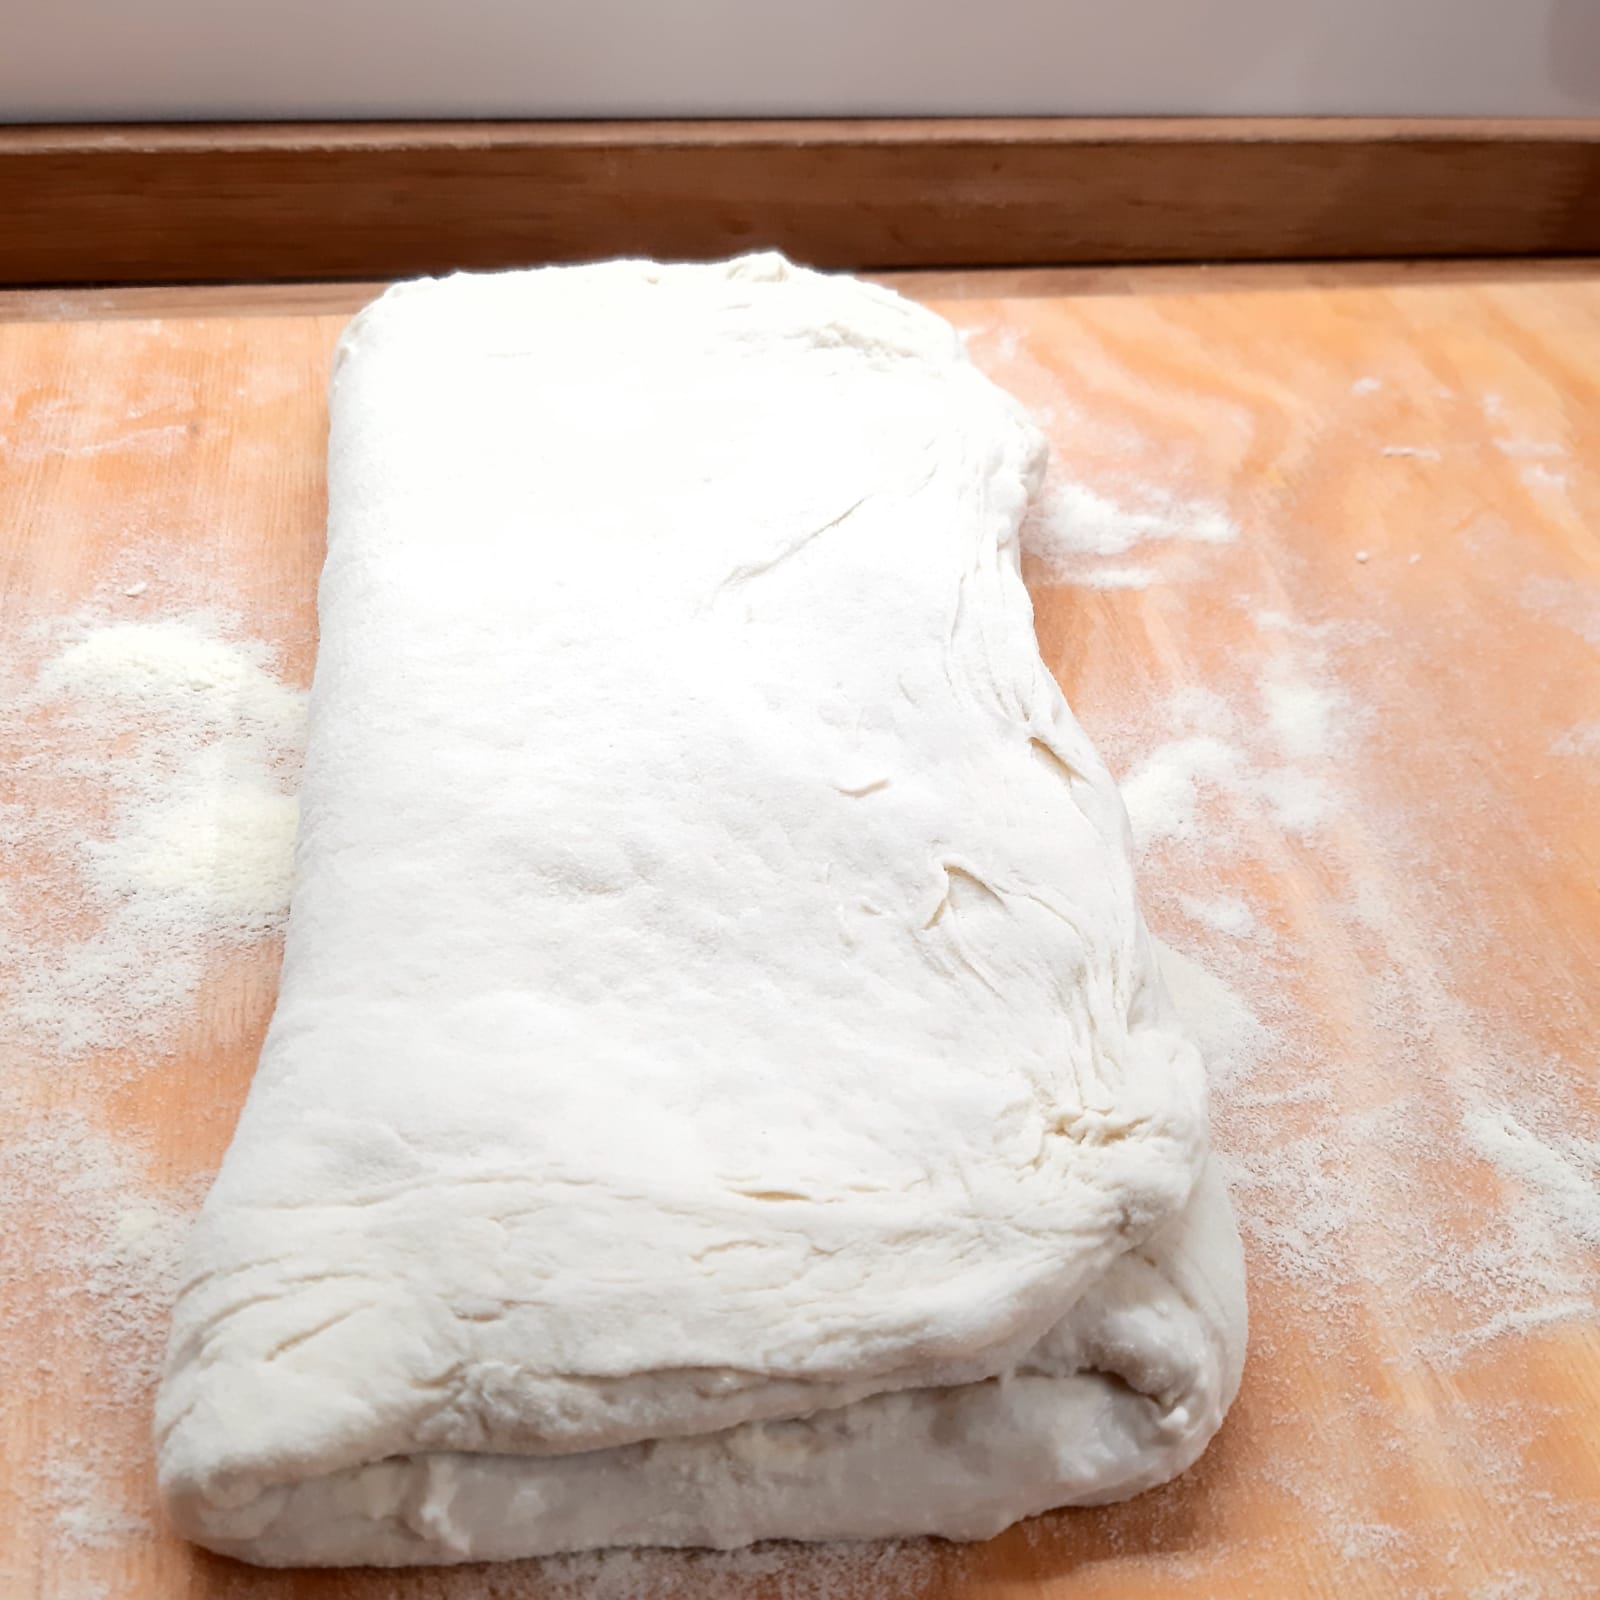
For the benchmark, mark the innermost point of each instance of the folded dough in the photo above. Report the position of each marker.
(720, 1088)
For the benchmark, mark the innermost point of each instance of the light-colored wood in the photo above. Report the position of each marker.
(195, 203)
(1358, 1462)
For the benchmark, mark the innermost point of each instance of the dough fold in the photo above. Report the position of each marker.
(720, 1087)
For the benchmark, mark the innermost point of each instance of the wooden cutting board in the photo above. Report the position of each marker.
(1319, 567)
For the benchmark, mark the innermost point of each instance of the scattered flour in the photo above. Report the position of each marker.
(1230, 1038)
(1117, 578)
(1163, 793)
(1538, 476)
(85, 1505)
(1212, 773)
(1271, 621)
(1537, 449)
(1007, 342)
(1401, 1155)
(1223, 913)
(902, 1571)
(1183, 786)
(1573, 605)
(1072, 524)
(1511, 1586)
(91, 1285)
(1582, 740)
(147, 819)
(1348, 1208)
(1322, 1186)
(1301, 714)
(1334, 1130)
(1076, 518)
(163, 438)
(48, 428)
(147, 808)
(1558, 1172)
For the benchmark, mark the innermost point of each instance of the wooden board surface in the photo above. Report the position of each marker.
(1349, 662)
(341, 200)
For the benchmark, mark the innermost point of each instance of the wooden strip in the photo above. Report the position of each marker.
(242, 301)
(265, 202)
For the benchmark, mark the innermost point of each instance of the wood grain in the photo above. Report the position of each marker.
(254, 201)
(1435, 937)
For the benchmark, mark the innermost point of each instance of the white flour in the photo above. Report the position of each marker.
(1073, 519)
(1582, 740)
(149, 816)
(1109, 489)
(1300, 714)
(1223, 913)
(781, 1572)
(1117, 577)
(1187, 785)
(1400, 1157)
(1321, 1168)
(91, 1289)
(1557, 1172)
(1072, 524)
(1566, 602)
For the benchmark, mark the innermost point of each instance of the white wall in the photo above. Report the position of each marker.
(132, 59)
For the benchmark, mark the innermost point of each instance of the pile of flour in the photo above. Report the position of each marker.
(147, 811)
(147, 816)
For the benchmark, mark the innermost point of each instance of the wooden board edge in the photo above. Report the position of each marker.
(297, 201)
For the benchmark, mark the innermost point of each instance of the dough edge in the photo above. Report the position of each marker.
(1006, 1448)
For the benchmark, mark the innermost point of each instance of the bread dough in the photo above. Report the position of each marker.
(720, 1088)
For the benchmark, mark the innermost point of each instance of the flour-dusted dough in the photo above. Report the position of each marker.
(721, 1088)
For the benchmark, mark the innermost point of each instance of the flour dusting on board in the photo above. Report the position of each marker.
(1222, 913)
(1396, 1148)
(889, 1571)
(1566, 602)
(148, 810)
(1237, 776)
(1072, 524)
(1581, 740)
(1073, 518)
(92, 1288)
(1117, 577)
(147, 815)
(1207, 782)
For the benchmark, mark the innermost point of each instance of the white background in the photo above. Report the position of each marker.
(131, 59)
